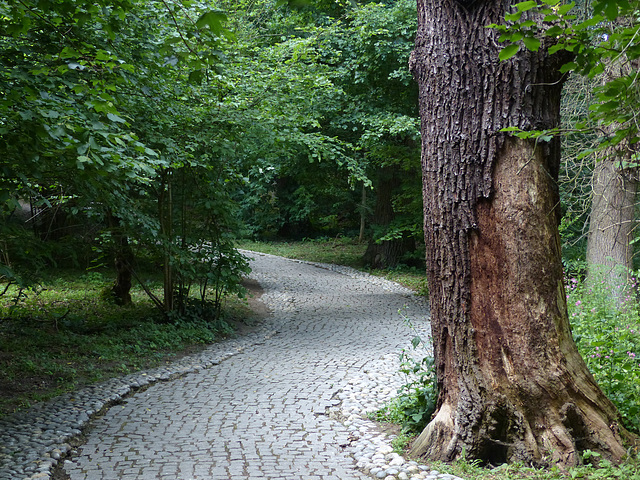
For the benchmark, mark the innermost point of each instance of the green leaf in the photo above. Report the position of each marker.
(115, 118)
(554, 31)
(564, 9)
(213, 20)
(608, 7)
(590, 22)
(513, 17)
(524, 6)
(596, 70)
(508, 52)
(532, 43)
(568, 67)
(196, 76)
(556, 48)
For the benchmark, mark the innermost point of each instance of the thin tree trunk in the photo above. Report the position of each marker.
(165, 207)
(363, 213)
(386, 253)
(512, 385)
(123, 261)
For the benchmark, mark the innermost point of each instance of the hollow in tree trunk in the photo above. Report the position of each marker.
(512, 385)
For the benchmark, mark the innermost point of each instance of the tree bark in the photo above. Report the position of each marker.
(165, 213)
(386, 253)
(512, 385)
(612, 223)
(363, 213)
(613, 216)
(123, 261)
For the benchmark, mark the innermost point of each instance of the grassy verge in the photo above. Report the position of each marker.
(66, 335)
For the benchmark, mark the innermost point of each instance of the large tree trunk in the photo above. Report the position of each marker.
(512, 385)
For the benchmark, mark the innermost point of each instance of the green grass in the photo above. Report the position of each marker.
(339, 250)
(470, 470)
(66, 335)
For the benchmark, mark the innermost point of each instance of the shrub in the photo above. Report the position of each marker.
(606, 332)
(416, 400)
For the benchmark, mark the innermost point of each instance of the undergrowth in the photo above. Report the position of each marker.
(607, 333)
(416, 398)
(65, 334)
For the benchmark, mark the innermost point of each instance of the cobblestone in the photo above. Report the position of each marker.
(287, 402)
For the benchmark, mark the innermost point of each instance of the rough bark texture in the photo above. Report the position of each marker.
(512, 385)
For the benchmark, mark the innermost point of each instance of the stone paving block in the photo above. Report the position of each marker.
(262, 413)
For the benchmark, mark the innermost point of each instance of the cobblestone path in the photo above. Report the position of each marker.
(268, 412)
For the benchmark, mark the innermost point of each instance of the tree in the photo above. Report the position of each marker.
(614, 182)
(104, 103)
(380, 118)
(512, 385)
(331, 106)
(602, 37)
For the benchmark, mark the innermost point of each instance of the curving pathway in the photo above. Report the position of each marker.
(287, 404)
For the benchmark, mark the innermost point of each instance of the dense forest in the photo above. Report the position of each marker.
(167, 130)
(146, 139)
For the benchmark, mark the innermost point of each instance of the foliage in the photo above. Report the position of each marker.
(592, 470)
(331, 102)
(154, 124)
(608, 35)
(608, 338)
(575, 174)
(64, 336)
(415, 403)
(107, 115)
(416, 400)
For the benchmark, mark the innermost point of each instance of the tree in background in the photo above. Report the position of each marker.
(101, 106)
(612, 223)
(512, 385)
(335, 113)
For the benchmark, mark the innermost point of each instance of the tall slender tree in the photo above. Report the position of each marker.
(512, 385)
(614, 183)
